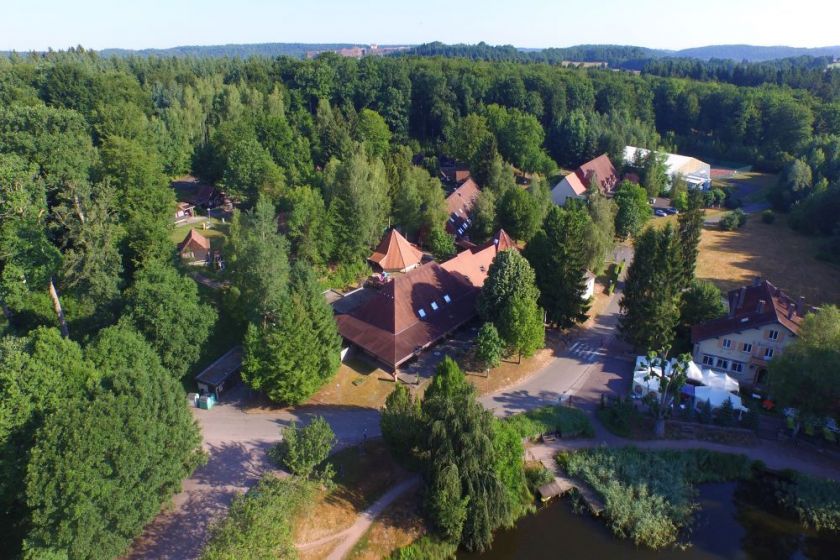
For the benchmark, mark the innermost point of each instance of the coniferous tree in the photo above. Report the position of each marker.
(557, 254)
(690, 227)
(509, 275)
(651, 302)
(294, 349)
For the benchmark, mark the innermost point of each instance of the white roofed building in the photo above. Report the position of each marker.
(698, 174)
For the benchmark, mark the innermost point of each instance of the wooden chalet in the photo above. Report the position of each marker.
(195, 247)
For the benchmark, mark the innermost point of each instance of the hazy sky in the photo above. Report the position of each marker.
(97, 24)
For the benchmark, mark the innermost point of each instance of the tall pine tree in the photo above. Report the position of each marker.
(690, 227)
(558, 256)
(651, 302)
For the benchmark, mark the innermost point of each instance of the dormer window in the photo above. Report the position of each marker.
(446, 298)
(422, 313)
(434, 306)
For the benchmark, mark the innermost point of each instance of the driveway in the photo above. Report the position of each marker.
(236, 442)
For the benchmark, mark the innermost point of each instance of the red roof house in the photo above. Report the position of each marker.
(395, 253)
(575, 184)
(414, 310)
(195, 247)
(459, 204)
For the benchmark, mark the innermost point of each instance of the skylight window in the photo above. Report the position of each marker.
(434, 306)
(446, 298)
(422, 313)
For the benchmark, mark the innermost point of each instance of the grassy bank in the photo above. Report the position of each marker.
(649, 495)
(566, 421)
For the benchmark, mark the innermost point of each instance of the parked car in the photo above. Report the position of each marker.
(671, 210)
(660, 213)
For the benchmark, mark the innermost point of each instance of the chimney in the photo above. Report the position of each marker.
(742, 293)
(791, 310)
(761, 304)
(800, 306)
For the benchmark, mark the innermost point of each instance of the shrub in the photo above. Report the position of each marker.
(768, 216)
(303, 449)
(569, 422)
(259, 525)
(814, 501)
(619, 417)
(725, 415)
(648, 495)
(537, 475)
(426, 548)
(704, 413)
(489, 346)
(733, 220)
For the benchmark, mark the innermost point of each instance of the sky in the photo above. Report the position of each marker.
(671, 24)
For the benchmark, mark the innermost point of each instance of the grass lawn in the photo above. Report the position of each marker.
(363, 474)
(357, 383)
(773, 251)
(217, 232)
(757, 184)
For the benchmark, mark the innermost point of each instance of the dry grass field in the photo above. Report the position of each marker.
(772, 251)
(399, 525)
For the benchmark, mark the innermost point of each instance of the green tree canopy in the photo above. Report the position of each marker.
(165, 307)
(372, 130)
(807, 375)
(557, 254)
(250, 172)
(509, 275)
(633, 210)
(519, 213)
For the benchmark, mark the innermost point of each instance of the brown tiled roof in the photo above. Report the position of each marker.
(747, 312)
(396, 253)
(601, 169)
(459, 204)
(390, 325)
(194, 239)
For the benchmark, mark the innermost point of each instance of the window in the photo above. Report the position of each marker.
(434, 306)
(446, 298)
(768, 353)
(708, 361)
(727, 343)
(722, 364)
(747, 348)
(451, 219)
(421, 312)
(773, 335)
(737, 367)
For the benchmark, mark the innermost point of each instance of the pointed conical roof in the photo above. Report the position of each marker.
(395, 253)
(503, 241)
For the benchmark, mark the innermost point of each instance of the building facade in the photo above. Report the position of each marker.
(762, 321)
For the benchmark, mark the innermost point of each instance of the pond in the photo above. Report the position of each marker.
(733, 522)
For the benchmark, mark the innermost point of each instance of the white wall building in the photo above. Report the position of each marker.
(698, 174)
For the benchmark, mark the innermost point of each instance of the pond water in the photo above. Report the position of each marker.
(733, 522)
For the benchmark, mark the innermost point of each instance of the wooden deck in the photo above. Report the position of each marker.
(562, 485)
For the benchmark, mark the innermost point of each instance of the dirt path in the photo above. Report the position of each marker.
(350, 536)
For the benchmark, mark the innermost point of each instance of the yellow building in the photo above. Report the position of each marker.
(762, 320)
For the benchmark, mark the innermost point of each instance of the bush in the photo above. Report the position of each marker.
(649, 495)
(569, 422)
(426, 548)
(704, 413)
(768, 216)
(619, 417)
(537, 475)
(814, 501)
(259, 525)
(725, 415)
(733, 220)
(303, 449)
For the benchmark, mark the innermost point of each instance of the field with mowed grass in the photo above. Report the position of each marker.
(773, 251)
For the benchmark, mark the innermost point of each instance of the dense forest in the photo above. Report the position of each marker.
(106, 326)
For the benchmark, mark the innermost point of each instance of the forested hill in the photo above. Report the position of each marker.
(619, 56)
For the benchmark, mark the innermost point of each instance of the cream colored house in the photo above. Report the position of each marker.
(762, 320)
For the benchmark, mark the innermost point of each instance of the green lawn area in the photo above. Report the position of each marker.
(217, 232)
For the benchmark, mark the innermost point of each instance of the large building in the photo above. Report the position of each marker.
(762, 320)
(697, 174)
(409, 312)
(459, 205)
(599, 171)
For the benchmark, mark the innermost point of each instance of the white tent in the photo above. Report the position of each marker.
(717, 397)
(710, 378)
(642, 387)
